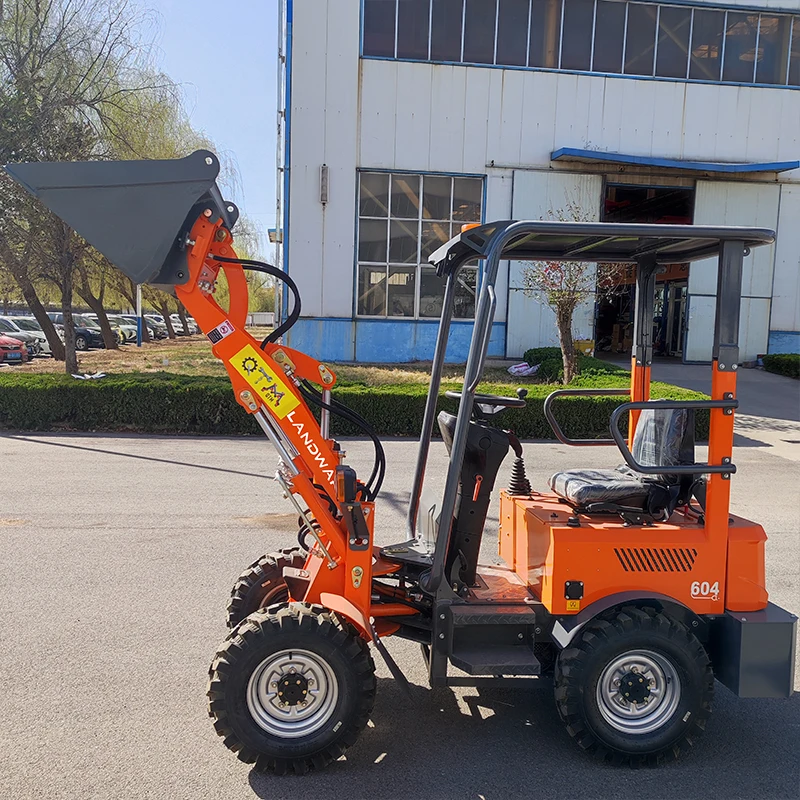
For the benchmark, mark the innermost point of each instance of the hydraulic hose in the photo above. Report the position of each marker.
(278, 274)
(375, 480)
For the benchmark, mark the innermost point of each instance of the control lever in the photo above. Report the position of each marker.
(477, 490)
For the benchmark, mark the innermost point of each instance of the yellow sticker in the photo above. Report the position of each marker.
(249, 363)
(573, 605)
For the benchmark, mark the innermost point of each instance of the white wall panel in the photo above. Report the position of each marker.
(499, 188)
(537, 195)
(510, 130)
(412, 134)
(528, 114)
(748, 204)
(308, 147)
(448, 91)
(341, 149)
(324, 130)
(538, 118)
(731, 203)
(379, 111)
(478, 90)
(786, 283)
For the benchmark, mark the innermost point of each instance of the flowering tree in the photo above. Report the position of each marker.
(565, 285)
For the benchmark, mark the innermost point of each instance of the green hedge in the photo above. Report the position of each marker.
(551, 364)
(164, 403)
(783, 364)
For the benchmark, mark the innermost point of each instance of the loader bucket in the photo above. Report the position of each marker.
(138, 214)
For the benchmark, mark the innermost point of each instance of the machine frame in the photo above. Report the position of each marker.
(167, 223)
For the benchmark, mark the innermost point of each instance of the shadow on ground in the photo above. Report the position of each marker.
(438, 746)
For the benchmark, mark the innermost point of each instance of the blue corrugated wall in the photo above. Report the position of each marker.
(386, 341)
(784, 342)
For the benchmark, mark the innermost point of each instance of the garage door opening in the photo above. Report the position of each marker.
(658, 205)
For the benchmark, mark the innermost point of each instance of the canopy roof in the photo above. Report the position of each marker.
(596, 241)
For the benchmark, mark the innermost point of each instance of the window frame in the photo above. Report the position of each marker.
(421, 263)
(724, 8)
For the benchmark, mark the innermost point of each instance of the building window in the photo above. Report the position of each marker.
(622, 37)
(402, 219)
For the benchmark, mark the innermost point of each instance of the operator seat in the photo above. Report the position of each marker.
(663, 438)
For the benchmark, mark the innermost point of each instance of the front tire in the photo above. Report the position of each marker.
(81, 343)
(291, 688)
(634, 689)
(262, 584)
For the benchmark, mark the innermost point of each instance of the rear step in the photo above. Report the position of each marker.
(514, 659)
(493, 639)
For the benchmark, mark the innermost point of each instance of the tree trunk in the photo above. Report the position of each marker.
(96, 304)
(38, 311)
(163, 307)
(568, 357)
(182, 315)
(145, 329)
(19, 272)
(109, 337)
(71, 357)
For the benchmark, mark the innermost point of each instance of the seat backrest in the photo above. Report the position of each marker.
(664, 437)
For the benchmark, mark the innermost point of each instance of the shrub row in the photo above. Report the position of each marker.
(551, 364)
(164, 403)
(783, 364)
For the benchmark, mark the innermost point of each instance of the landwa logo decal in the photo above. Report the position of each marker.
(264, 381)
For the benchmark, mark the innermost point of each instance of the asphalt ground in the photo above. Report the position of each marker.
(117, 554)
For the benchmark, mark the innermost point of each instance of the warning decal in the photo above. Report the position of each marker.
(220, 332)
(249, 363)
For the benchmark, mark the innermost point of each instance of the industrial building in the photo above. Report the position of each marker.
(401, 120)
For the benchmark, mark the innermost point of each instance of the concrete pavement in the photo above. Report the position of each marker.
(115, 567)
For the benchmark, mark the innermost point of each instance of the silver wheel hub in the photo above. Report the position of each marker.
(638, 692)
(292, 693)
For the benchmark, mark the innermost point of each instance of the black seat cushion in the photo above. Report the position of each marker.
(582, 487)
(663, 438)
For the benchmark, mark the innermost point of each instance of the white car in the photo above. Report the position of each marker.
(34, 338)
(178, 325)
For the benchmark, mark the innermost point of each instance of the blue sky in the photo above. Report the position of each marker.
(224, 54)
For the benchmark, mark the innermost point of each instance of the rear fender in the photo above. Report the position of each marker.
(565, 629)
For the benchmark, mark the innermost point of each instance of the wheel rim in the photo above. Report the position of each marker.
(638, 692)
(292, 693)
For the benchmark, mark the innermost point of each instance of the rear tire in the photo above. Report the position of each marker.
(634, 689)
(291, 688)
(262, 584)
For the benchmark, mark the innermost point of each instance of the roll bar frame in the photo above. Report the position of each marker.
(655, 245)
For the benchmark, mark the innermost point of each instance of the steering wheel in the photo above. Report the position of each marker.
(492, 403)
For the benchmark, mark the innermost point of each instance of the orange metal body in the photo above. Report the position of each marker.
(673, 558)
(707, 567)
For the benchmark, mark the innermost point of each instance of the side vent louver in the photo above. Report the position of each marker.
(656, 559)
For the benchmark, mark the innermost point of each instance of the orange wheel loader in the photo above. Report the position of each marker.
(628, 590)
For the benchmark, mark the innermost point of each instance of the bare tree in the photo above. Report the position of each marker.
(94, 269)
(565, 285)
(73, 75)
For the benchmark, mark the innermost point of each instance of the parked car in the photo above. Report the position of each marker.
(31, 340)
(32, 324)
(157, 330)
(12, 351)
(87, 331)
(178, 325)
(126, 332)
(158, 321)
